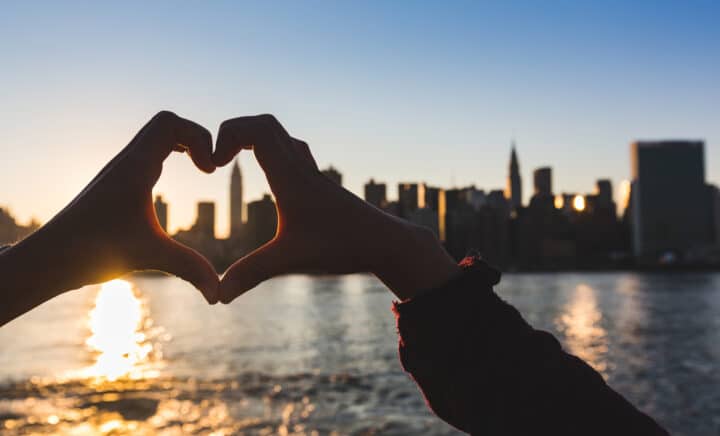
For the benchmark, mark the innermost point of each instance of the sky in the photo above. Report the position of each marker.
(398, 91)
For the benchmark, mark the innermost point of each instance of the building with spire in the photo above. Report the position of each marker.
(513, 190)
(236, 201)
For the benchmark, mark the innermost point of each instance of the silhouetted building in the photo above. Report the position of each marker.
(461, 226)
(671, 211)
(375, 193)
(476, 198)
(715, 199)
(603, 191)
(11, 231)
(599, 233)
(433, 197)
(432, 215)
(262, 220)
(161, 211)
(333, 174)
(513, 190)
(236, 202)
(542, 181)
(205, 223)
(411, 196)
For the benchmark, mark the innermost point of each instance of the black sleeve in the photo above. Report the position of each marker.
(486, 371)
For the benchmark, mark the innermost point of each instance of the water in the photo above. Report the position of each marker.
(303, 355)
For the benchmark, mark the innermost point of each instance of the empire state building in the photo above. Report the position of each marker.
(236, 201)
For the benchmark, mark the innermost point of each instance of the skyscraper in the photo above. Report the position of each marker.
(411, 196)
(542, 181)
(671, 208)
(603, 190)
(205, 221)
(375, 193)
(333, 174)
(236, 201)
(161, 211)
(513, 190)
(262, 220)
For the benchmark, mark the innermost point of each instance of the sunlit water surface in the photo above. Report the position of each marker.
(304, 355)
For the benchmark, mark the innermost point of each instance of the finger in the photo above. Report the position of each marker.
(167, 132)
(177, 259)
(253, 269)
(262, 133)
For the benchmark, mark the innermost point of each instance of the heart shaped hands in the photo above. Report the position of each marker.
(110, 228)
(321, 226)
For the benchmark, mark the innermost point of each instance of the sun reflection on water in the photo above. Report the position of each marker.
(120, 341)
(580, 324)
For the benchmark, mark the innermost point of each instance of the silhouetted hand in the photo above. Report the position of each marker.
(321, 226)
(110, 228)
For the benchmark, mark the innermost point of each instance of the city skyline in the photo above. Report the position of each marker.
(392, 90)
(669, 217)
(237, 199)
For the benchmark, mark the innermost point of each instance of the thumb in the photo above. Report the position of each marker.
(184, 262)
(251, 270)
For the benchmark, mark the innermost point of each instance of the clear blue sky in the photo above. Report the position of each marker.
(401, 91)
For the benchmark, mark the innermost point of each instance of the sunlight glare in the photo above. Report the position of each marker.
(581, 325)
(117, 332)
(579, 203)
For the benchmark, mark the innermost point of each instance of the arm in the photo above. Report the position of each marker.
(485, 370)
(481, 367)
(110, 228)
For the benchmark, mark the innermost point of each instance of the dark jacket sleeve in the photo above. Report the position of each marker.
(486, 371)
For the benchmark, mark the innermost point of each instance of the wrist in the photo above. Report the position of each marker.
(413, 260)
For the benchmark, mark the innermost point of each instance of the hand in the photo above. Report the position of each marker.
(321, 226)
(110, 228)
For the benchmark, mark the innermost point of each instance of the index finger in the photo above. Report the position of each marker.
(166, 132)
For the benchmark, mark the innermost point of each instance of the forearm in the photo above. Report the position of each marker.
(32, 272)
(485, 370)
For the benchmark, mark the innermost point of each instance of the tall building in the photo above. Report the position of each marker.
(205, 222)
(433, 214)
(161, 211)
(671, 208)
(262, 220)
(513, 190)
(236, 201)
(603, 190)
(411, 196)
(542, 181)
(333, 174)
(376, 193)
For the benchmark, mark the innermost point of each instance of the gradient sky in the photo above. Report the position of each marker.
(400, 91)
